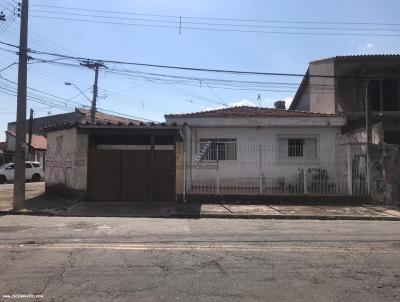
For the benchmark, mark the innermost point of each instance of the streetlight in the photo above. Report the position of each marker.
(72, 84)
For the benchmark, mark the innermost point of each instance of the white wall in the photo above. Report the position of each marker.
(66, 161)
(258, 153)
(247, 122)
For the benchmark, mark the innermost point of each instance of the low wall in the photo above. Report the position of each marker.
(66, 163)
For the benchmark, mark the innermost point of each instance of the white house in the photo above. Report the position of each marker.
(253, 150)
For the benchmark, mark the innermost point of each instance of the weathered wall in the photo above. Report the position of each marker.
(385, 174)
(304, 101)
(10, 139)
(66, 162)
(360, 135)
(322, 92)
(392, 166)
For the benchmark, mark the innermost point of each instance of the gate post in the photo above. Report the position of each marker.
(349, 171)
(218, 178)
(217, 169)
(260, 174)
(305, 186)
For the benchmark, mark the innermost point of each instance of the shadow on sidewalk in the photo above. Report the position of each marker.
(50, 205)
(47, 204)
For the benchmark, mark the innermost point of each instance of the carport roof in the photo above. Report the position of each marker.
(109, 125)
(101, 127)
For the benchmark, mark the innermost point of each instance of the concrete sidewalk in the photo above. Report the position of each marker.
(38, 203)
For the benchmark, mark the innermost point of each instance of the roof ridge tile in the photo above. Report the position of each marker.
(253, 111)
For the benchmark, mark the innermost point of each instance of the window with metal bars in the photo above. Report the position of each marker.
(218, 148)
(297, 147)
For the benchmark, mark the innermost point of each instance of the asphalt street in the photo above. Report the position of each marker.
(131, 259)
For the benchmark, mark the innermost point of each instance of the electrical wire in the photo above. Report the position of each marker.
(220, 29)
(70, 101)
(227, 71)
(218, 19)
(182, 24)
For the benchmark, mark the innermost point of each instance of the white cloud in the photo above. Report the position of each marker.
(369, 45)
(233, 104)
(241, 103)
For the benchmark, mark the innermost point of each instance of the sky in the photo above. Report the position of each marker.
(148, 92)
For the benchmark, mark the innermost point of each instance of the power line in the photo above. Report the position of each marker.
(223, 81)
(76, 103)
(219, 19)
(182, 23)
(8, 66)
(224, 84)
(227, 71)
(239, 72)
(10, 19)
(221, 29)
(34, 99)
(152, 79)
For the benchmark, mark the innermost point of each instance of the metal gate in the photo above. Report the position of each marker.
(336, 170)
(131, 173)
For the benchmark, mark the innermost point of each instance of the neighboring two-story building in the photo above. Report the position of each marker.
(343, 84)
(366, 89)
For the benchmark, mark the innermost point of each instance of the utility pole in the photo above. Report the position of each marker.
(95, 66)
(20, 137)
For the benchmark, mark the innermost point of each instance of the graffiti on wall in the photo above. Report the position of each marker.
(59, 164)
(392, 166)
(381, 189)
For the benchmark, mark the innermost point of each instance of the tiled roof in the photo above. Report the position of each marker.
(38, 141)
(102, 117)
(376, 56)
(249, 111)
(80, 115)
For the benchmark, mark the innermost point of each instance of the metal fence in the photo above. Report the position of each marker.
(290, 168)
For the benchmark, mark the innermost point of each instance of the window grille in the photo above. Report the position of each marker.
(297, 148)
(219, 148)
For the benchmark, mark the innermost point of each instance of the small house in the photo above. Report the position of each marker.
(262, 151)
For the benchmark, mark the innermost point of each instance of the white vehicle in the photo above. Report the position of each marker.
(33, 172)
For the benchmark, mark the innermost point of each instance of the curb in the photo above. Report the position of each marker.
(300, 217)
(27, 213)
(214, 215)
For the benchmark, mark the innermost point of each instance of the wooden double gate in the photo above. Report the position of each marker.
(131, 173)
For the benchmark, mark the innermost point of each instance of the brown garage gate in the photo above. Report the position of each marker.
(132, 167)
